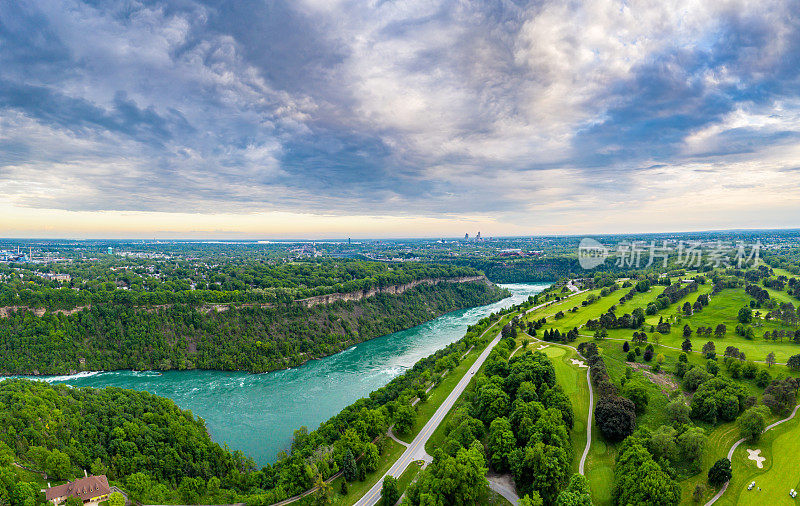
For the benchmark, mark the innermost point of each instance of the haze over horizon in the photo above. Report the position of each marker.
(204, 119)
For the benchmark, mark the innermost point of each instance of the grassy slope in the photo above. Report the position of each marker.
(781, 471)
(723, 309)
(437, 396)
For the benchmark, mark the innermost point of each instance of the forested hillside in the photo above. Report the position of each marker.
(221, 280)
(256, 339)
(61, 431)
(160, 454)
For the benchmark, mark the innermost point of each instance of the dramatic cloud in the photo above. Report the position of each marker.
(568, 113)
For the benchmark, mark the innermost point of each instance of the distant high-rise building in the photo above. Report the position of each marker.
(478, 237)
(466, 237)
(110, 250)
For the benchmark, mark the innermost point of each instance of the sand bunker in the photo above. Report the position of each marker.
(579, 363)
(756, 455)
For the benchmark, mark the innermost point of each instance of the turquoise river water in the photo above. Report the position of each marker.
(258, 413)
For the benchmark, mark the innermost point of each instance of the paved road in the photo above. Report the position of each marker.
(416, 450)
(504, 485)
(736, 445)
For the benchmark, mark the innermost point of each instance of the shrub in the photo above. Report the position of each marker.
(616, 417)
(694, 378)
(720, 472)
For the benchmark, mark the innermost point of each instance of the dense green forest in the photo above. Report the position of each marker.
(255, 339)
(160, 453)
(517, 416)
(137, 437)
(146, 283)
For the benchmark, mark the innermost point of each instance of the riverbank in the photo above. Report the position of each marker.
(269, 407)
(255, 340)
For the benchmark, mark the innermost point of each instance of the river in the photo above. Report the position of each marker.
(257, 413)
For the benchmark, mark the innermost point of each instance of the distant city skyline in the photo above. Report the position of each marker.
(303, 119)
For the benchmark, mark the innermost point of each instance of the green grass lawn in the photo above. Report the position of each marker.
(573, 381)
(438, 394)
(408, 476)
(781, 470)
(359, 488)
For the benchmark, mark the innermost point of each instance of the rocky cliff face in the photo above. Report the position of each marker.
(310, 301)
(391, 289)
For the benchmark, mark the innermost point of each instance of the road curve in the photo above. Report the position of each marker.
(736, 445)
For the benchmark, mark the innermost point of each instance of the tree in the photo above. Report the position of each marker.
(698, 493)
(324, 494)
(694, 378)
(370, 457)
(781, 395)
(73, 501)
(389, 492)
(770, 359)
(710, 350)
(212, 488)
(720, 330)
(720, 472)
(763, 378)
(745, 315)
(678, 412)
(687, 331)
(626, 347)
(616, 417)
(348, 466)
(637, 392)
(753, 421)
(191, 489)
(794, 362)
(22, 494)
(692, 443)
(640, 480)
(576, 493)
(532, 499)
(116, 499)
(57, 465)
(718, 398)
(404, 418)
(451, 480)
(501, 444)
(686, 345)
(712, 367)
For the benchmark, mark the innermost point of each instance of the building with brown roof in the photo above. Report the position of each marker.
(91, 490)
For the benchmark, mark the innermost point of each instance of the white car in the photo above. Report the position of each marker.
(750, 487)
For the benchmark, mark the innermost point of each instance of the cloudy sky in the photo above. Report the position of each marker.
(375, 118)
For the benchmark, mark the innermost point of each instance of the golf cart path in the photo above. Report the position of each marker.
(736, 445)
(582, 463)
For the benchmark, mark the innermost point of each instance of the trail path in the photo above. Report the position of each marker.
(736, 445)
